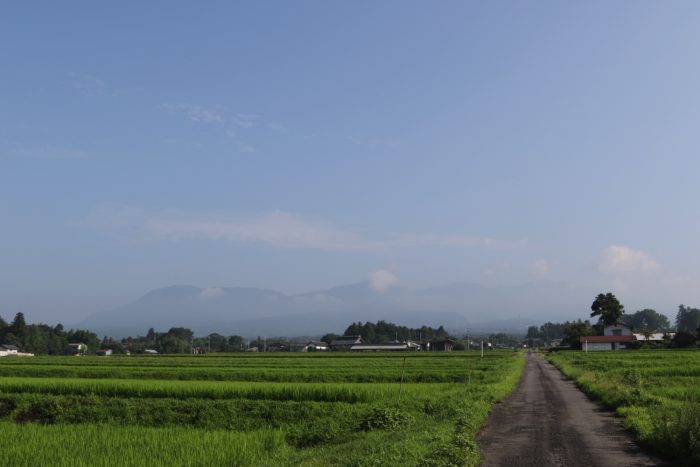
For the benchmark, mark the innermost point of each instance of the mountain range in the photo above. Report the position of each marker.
(249, 311)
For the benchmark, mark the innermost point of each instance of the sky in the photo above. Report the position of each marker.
(303, 145)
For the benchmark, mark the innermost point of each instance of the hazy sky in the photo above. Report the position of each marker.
(301, 145)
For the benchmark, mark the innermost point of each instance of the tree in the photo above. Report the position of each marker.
(574, 330)
(328, 338)
(533, 332)
(19, 325)
(647, 319)
(608, 309)
(687, 319)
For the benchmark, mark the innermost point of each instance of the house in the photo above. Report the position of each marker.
(78, 348)
(9, 349)
(346, 342)
(615, 337)
(444, 345)
(315, 346)
(150, 352)
(104, 352)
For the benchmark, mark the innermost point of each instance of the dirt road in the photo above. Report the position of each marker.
(547, 421)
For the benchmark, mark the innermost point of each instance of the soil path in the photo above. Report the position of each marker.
(548, 421)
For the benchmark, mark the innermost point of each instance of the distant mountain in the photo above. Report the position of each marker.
(251, 311)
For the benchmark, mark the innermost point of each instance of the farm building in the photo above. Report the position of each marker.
(104, 352)
(655, 336)
(445, 345)
(346, 342)
(615, 337)
(390, 347)
(9, 349)
(315, 346)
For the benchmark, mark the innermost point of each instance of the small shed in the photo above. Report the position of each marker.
(445, 345)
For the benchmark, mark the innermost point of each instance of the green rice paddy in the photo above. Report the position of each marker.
(244, 409)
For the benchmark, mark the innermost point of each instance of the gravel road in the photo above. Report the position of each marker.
(547, 421)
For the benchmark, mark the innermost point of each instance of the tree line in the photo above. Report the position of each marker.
(383, 332)
(43, 338)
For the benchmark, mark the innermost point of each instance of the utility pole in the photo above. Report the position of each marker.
(209, 344)
(482, 349)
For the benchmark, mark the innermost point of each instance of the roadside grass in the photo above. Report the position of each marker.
(656, 392)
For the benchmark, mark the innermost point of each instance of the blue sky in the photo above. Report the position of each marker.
(302, 145)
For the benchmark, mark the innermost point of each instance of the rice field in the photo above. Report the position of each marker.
(657, 392)
(243, 409)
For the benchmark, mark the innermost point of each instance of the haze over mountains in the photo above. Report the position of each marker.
(252, 311)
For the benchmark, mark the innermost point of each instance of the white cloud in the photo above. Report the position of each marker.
(540, 266)
(381, 280)
(196, 113)
(617, 259)
(276, 228)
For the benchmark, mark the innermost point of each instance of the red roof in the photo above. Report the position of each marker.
(606, 339)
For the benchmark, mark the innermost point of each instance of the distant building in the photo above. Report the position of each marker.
(278, 347)
(346, 342)
(445, 345)
(615, 337)
(655, 336)
(9, 349)
(103, 352)
(390, 347)
(315, 346)
(150, 352)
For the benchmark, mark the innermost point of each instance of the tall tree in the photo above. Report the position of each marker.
(687, 319)
(19, 325)
(608, 309)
